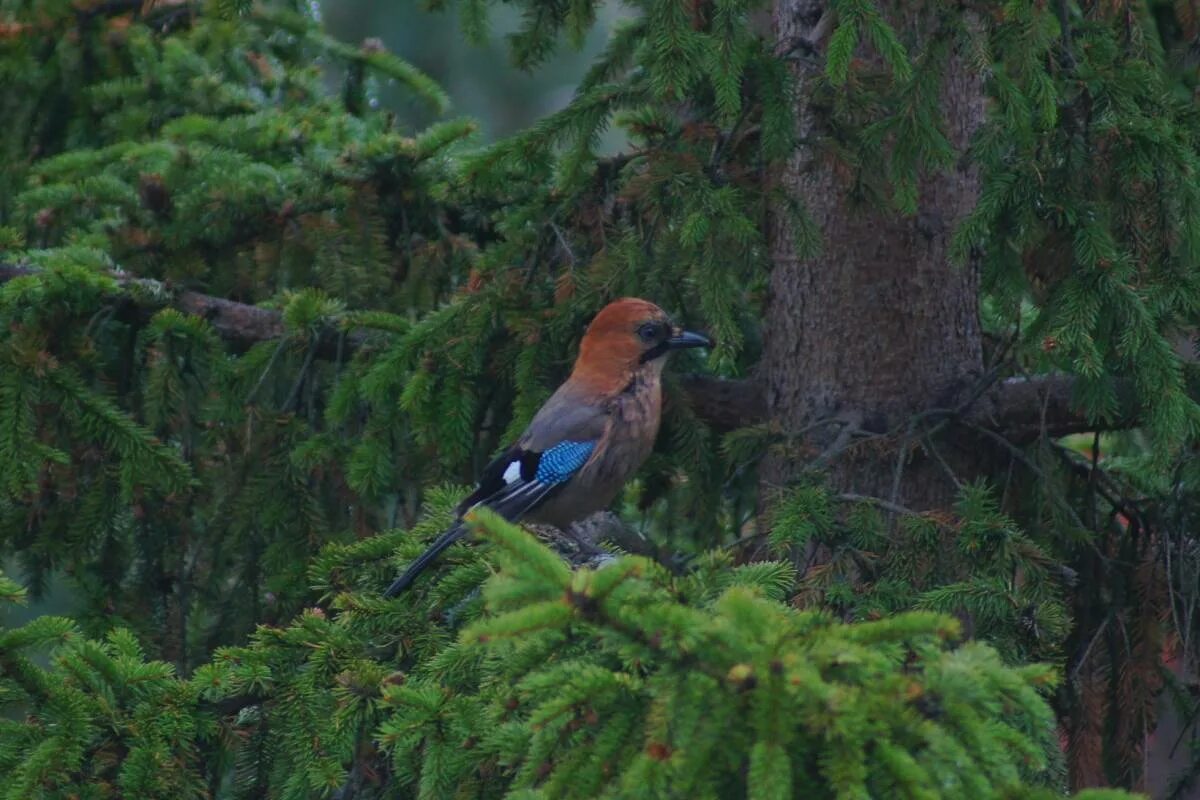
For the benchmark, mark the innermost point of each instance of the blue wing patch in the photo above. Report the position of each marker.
(562, 461)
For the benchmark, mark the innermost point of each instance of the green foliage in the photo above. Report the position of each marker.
(1087, 163)
(100, 719)
(622, 681)
(216, 161)
(254, 336)
(974, 562)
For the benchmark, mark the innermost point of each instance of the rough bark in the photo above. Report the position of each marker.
(880, 326)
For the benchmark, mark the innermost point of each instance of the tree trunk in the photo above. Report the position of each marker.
(879, 326)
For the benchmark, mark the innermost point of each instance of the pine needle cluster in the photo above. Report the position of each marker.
(622, 681)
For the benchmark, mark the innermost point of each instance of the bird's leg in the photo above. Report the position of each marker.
(576, 550)
(605, 526)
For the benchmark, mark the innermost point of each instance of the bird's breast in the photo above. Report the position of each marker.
(635, 415)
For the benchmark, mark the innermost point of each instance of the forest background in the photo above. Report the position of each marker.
(921, 525)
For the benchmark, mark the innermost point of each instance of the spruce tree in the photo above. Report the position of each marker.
(919, 526)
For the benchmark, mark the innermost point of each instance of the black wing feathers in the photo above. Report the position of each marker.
(422, 561)
(493, 487)
(509, 499)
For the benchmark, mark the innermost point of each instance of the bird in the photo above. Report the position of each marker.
(588, 438)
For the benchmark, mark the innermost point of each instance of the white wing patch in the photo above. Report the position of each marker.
(513, 473)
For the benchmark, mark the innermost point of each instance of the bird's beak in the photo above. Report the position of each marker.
(681, 339)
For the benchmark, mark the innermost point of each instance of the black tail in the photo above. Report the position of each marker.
(453, 534)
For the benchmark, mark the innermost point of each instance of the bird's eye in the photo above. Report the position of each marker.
(650, 331)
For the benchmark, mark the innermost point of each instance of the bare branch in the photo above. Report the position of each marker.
(1018, 406)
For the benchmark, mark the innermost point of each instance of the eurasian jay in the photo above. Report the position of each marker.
(589, 437)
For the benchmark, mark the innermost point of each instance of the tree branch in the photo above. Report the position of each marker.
(724, 404)
(1016, 407)
(1019, 408)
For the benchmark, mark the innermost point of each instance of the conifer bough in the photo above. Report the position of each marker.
(1020, 408)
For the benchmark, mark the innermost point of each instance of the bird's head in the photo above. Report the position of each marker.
(629, 336)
